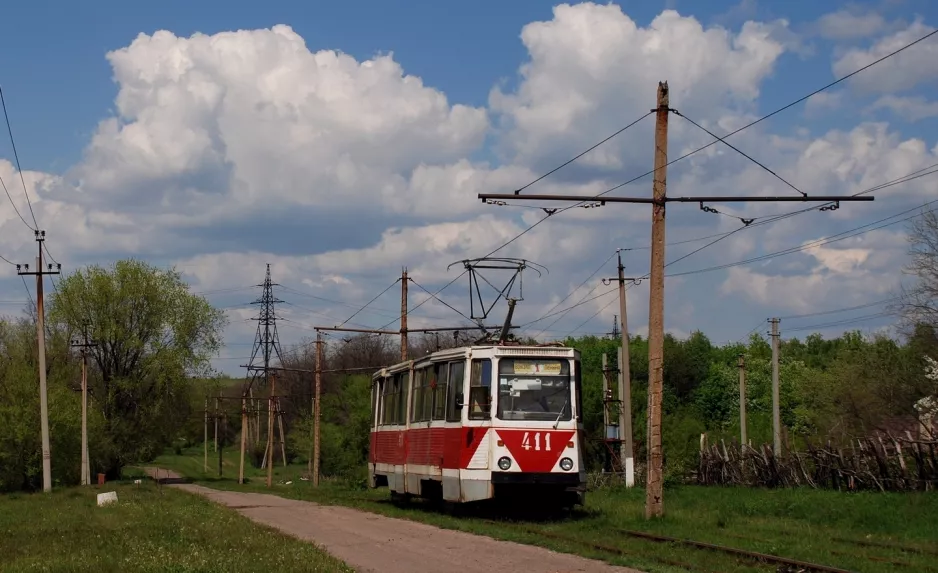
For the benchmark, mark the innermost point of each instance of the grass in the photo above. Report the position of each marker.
(150, 529)
(826, 527)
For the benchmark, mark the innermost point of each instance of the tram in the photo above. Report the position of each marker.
(480, 422)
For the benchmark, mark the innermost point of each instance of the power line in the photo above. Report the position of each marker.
(843, 322)
(856, 231)
(28, 294)
(578, 287)
(18, 167)
(686, 155)
(839, 310)
(370, 301)
(834, 238)
(569, 161)
(428, 299)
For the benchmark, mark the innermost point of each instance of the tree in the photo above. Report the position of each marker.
(152, 336)
(919, 303)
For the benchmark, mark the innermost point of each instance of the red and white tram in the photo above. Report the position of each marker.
(517, 433)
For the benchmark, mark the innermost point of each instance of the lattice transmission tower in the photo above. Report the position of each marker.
(266, 340)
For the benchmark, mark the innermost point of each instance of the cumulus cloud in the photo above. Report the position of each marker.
(234, 150)
(906, 70)
(850, 25)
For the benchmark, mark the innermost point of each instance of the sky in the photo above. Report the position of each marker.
(341, 142)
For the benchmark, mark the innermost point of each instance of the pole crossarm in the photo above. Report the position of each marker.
(486, 197)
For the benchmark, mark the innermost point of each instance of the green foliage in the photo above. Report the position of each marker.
(20, 443)
(344, 433)
(152, 335)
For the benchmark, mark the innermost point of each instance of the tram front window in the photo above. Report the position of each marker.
(534, 389)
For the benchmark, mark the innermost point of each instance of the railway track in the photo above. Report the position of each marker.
(775, 562)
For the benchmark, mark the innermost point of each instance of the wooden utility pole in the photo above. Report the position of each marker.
(84, 344)
(404, 315)
(625, 388)
(41, 341)
(654, 502)
(776, 418)
(317, 410)
(270, 429)
(742, 398)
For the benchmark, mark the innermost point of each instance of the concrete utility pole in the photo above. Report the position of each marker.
(205, 446)
(776, 417)
(317, 411)
(654, 503)
(404, 315)
(653, 496)
(216, 424)
(245, 429)
(41, 340)
(742, 398)
(625, 387)
(83, 345)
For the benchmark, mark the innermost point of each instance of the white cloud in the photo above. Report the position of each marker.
(850, 25)
(904, 71)
(911, 108)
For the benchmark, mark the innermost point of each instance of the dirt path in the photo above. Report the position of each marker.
(375, 543)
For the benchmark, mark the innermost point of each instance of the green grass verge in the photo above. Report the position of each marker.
(150, 529)
(832, 528)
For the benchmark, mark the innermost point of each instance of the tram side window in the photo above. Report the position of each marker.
(400, 397)
(375, 401)
(393, 400)
(480, 390)
(578, 382)
(423, 400)
(387, 401)
(440, 377)
(457, 372)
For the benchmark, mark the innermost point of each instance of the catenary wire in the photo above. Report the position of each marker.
(572, 159)
(370, 301)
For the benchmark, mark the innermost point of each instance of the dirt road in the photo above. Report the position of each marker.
(375, 543)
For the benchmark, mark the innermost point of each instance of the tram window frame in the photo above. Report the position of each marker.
(441, 379)
(419, 408)
(578, 380)
(480, 389)
(456, 388)
(375, 401)
(395, 400)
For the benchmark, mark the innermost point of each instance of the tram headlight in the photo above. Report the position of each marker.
(566, 464)
(504, 463)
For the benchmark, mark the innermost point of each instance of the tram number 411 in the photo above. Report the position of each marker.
(526, 441)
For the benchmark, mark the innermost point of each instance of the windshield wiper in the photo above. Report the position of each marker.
(557, 421)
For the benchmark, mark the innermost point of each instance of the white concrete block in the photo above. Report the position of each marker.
(106, 498)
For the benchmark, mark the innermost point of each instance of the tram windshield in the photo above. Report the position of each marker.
(534, 389)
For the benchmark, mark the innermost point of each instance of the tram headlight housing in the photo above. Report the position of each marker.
(566, 464)
(504, 463)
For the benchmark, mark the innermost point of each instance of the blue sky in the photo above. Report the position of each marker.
(250, 182)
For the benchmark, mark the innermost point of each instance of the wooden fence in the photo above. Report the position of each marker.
(881, 463)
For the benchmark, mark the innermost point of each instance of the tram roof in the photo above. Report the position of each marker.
(496, 350)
